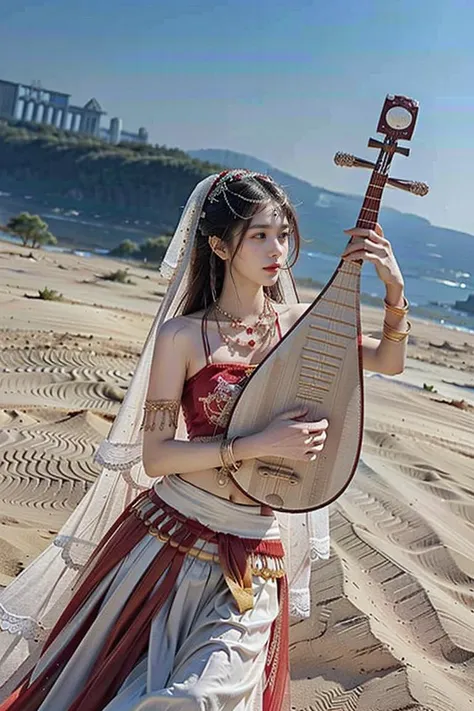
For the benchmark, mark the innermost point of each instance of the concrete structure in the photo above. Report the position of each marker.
(116, 134)
(31, 102)
(140, 137)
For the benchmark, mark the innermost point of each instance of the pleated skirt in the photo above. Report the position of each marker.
(183, 605)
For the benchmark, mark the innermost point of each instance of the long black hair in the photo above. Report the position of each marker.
(226, 217)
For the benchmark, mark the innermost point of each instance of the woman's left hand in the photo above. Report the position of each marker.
(372, 246)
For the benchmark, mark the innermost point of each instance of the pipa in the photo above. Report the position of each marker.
(317, 364)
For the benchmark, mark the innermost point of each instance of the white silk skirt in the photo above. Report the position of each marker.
(205, 648)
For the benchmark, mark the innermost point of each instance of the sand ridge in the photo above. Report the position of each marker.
(393, 618)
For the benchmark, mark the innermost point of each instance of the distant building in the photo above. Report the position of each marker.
(116, 134)
(31, 102)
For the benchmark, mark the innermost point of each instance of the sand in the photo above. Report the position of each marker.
(393, 621)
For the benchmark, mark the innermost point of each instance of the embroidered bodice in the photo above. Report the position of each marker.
(209, 395)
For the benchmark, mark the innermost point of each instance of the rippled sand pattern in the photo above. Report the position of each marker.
(394, 626)
(393, 609)
(56, 407)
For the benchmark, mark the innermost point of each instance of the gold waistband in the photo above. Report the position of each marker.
(259, 567)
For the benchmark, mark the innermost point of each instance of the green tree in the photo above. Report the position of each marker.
(154, 248)
(43, 238)
(31, 229)
(127, 248)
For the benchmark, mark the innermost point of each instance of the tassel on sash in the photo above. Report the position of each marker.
(236, 569)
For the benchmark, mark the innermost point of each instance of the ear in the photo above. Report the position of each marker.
(218, 247)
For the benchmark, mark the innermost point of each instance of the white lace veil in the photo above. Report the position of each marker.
(31, 604)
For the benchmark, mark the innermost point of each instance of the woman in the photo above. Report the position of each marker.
(184, 603)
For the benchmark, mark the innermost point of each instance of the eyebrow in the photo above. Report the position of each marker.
(267, 227)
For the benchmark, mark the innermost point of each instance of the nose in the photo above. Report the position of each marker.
(277, 248)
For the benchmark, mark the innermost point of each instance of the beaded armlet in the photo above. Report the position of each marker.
(169, 410)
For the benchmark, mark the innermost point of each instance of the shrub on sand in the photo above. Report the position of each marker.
(121, 275)
(47, 294)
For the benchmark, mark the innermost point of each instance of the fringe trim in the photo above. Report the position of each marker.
(27, 627)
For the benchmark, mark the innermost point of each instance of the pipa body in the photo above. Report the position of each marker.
(318, 364)
(325, 378)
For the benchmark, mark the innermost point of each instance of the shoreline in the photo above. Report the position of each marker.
(305, 285)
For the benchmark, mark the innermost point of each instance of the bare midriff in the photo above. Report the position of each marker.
(206, 479)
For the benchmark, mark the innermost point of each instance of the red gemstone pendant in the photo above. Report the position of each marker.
(249, 330)
(252, 343)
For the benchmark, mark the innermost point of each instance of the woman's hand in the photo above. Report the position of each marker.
(287, 436)
(372, 246)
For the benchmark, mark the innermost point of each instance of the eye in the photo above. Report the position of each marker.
(283, 237)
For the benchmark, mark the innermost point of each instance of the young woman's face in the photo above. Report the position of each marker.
(264, 247)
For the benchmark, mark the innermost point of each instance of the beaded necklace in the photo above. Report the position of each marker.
(263, 329)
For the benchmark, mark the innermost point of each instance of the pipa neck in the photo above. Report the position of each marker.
(368, 216)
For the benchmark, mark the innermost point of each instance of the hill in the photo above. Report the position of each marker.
(60, 168)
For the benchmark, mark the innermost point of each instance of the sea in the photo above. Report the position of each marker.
(436, 277)
(432, 287)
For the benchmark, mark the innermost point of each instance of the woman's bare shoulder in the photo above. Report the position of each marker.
(177, 327)
(182, 333)
(195, 316)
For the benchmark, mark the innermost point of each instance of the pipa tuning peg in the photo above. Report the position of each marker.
(411, 186)
(344, 160)
(347, 160)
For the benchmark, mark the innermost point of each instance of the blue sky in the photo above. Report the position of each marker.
(290, 82)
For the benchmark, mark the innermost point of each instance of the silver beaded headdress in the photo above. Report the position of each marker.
(222, 187)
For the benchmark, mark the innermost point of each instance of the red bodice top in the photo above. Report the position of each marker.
(209, 395)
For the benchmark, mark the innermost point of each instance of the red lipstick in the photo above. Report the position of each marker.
(272, 268)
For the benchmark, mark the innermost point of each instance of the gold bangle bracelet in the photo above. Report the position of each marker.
(226, 453)
(391, 334)
(397, 310)
(235, 464)
(223, 455)
(396, 338)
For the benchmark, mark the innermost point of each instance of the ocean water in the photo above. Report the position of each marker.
(436, 275)
(432, 286)
(424, 285)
